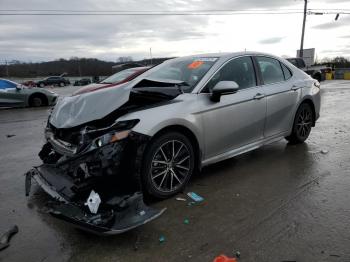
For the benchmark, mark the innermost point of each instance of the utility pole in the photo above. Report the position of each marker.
(150, 53)
(301, 53)
(7, 68)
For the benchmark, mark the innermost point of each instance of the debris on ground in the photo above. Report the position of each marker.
(238, 254)
(195, 197)
(5, 238)
(8, 136)
(186, 221)
(223, 258)
(161, 239)
(181, 199)
(191, 203)
(324, 151)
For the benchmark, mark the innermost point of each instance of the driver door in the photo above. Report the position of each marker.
(237, 119)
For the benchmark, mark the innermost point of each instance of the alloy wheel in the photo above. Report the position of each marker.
(170, 166)
(304, 123)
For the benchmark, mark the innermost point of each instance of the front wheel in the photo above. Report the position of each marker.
(302, 124)
(36, 101)
(168, 165)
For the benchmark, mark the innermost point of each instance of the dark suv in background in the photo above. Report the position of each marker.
(53, 81)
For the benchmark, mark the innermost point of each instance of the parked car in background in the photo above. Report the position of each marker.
(316, 72)
(106, 148)
(53, 81)
(13, 94)
(114, 80)
(29, 83)
(82, 82)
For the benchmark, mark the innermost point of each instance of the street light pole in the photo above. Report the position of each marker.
(301, 53)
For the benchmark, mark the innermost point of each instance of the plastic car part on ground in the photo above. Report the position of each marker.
(195, 197)
(5, 238)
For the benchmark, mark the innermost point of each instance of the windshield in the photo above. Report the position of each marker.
(189, 70)
(120, 76)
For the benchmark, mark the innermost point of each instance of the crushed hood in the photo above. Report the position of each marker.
(76, 110)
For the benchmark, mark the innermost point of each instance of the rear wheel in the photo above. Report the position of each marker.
(168, 165)
(302, 124)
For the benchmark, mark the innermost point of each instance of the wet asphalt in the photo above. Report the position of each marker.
(277, 203)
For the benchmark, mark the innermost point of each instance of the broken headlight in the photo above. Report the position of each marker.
(111, 138)
(118, 132)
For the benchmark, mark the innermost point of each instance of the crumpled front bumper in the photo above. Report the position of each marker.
(117, 215)
(122, 207)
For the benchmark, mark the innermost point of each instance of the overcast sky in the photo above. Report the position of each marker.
(40, 38)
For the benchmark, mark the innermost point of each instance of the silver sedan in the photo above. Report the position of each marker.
(229, 104)
(13, 94)
(151, 134)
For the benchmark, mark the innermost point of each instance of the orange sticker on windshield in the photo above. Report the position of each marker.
(195, 64)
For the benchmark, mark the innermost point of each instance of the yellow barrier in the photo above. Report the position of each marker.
(347, 75)
(329, 76)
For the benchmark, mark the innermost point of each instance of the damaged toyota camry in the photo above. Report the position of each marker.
(106, 149)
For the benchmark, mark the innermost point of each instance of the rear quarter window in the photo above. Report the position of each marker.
(286, 71)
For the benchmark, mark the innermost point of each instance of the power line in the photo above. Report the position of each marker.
(211, 12)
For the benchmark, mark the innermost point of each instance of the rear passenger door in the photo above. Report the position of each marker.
(282, 96)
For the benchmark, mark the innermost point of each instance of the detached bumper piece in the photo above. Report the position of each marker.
(116, 213)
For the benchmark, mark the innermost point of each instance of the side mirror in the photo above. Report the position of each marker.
(223, 88)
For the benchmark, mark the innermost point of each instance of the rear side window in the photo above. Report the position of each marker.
(287, 73)
(271, 70)
(240, 70)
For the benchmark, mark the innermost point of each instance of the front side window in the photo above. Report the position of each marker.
(239, 70)
(271, 70)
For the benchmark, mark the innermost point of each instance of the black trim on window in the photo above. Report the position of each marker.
(258, 74)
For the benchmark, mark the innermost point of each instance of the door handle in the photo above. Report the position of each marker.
(259, 96)
(295, 87)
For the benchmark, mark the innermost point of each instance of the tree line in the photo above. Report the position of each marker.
(94, 67)
(71, 67)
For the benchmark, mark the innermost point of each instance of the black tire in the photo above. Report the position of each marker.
(302, 124)
(171, 154)
(37, 100)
